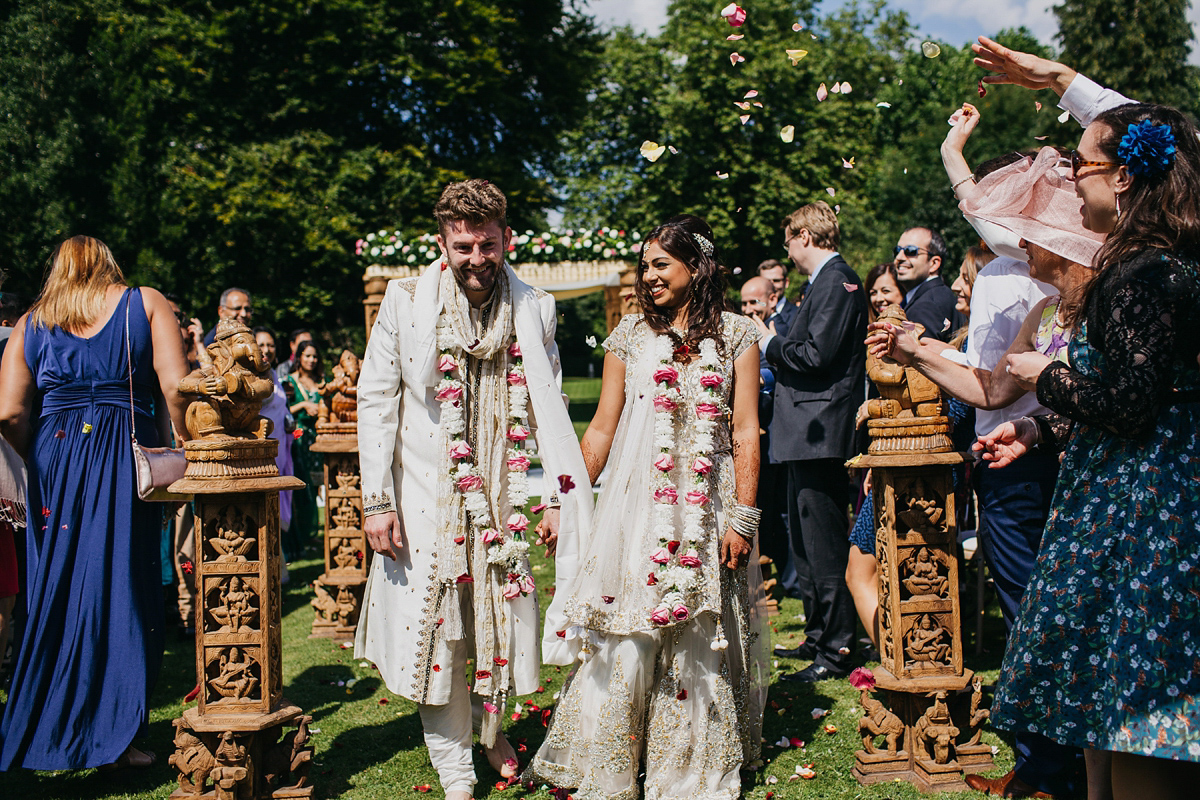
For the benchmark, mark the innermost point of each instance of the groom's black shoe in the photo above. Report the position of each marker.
(813, 673)
(805, 651)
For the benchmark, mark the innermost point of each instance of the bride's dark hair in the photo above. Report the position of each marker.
(681, 237)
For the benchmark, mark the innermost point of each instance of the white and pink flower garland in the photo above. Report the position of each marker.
(508, 552)
(677, 558)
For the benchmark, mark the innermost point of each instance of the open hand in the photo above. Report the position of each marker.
(1020, 69)
(1007, 442)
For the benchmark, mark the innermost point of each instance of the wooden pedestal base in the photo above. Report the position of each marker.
(241, 757)
(336, 607)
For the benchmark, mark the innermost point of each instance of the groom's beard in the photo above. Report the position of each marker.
(479, 279)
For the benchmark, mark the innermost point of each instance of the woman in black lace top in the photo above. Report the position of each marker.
(1106, 653)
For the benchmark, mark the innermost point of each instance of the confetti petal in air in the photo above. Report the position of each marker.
(737, 270)
(797, 26)
(735, 37)
(674, 152)
(1063, 117)
(1041, 138)
(845, 87)
(651, 151)
(744, 118)
(883, 105)
(848, 164)
(742, 106)
(930, 49)
(565, 484)
(1037, 107)
(590, 341)
(787, 133)
(758, 104)
(831, 190)
(836, 88)
(796, 55)
(736, 58)
(837, 209)
(722, 175)
(751, 94)
(862, 678)
(734, 14)
(981, 89)
(822, 93)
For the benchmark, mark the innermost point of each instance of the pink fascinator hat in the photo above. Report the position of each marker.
(1036, 200)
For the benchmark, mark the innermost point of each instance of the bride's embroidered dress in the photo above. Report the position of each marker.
(673, 645)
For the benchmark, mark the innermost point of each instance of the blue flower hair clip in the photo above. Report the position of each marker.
(1147, 149)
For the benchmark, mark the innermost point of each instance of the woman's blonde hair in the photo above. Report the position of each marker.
(77, 275)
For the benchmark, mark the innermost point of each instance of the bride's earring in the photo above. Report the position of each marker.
(1118, 198)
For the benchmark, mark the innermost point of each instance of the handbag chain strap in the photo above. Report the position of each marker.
(129, 360)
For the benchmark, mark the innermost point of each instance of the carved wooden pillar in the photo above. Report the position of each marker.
(347, 554)
(931, 723)
(243, 739)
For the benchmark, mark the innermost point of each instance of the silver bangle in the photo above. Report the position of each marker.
(954, 186)
(744, 520)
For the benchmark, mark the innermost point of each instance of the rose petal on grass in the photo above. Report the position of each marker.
(817, 713)
(1037, 107)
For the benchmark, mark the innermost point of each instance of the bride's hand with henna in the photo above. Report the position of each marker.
(735, 550)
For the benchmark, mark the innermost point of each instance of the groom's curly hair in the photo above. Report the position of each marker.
(689, 239)
(476, 202)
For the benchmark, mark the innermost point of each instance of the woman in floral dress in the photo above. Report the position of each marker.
(667, 607)
(1106, 652)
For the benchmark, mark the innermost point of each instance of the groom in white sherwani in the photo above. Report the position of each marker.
(461, 376)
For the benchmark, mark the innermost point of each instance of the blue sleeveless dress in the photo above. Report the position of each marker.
(93, 642)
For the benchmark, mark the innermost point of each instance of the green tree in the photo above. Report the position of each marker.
(1138, 47)
(247, 143)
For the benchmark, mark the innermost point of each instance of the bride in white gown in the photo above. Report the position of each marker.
(667, 609)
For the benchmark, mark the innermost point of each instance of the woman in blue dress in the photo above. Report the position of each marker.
(1106, 652)
(93, 640)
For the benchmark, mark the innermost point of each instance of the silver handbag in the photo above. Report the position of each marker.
(154, 468)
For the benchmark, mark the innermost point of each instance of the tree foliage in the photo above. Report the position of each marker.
(248, 143)
(1138, 47)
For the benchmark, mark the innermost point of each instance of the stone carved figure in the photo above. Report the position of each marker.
(904, 392)
(324, 604)
(927, 643)
(192, 760)
(236, 679)
(978, 715)
(229, 392)
(231, 773)
(290, 758)
(231, 540)
(236, 611)
(339, 395)
(878, 720)
(347, 605)
(923, 573)
(935, 732)
(347, 476)
(921, 509)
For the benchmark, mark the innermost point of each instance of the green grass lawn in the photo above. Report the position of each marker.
(368, 743)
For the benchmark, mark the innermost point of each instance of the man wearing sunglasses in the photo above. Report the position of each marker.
(919, 256)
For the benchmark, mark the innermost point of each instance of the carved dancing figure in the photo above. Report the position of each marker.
(978, 715)
(878, 721)
(235, 609)
(229, 393)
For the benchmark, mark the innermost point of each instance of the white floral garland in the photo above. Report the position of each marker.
(506, 552)
(675, 566)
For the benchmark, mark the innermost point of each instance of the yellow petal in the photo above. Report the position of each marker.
(742, 106)
(787, 133)
(796, 55)
(651, 151)
(930, 49)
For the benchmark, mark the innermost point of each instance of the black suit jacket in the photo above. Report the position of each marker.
(820, 367)
(932, 305)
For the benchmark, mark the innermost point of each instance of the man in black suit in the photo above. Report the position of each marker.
(784, 310)
(820, 369)
(920, 255)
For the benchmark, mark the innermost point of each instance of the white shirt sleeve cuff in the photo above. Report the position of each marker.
(765, 340)
(1085, 99)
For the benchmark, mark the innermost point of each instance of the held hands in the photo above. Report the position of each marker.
(547, 530)
(1007, 442)
(1020, 69)
(735, 550)
(1025, 368)
(891, 341)
(385, 533)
